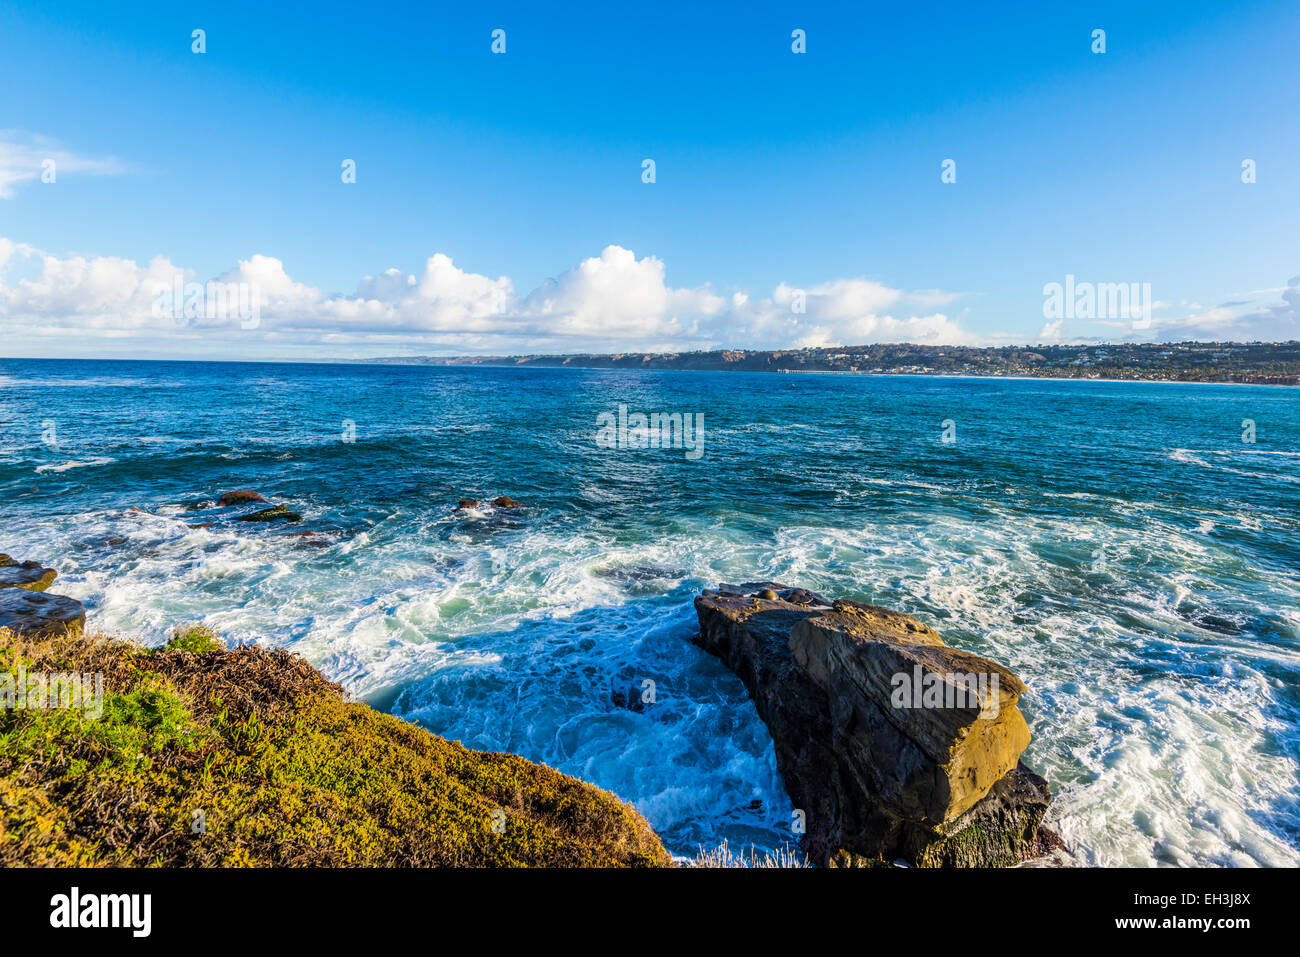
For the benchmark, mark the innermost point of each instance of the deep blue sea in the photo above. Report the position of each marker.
(1119, 545)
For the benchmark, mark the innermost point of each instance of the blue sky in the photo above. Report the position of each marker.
(776, 174)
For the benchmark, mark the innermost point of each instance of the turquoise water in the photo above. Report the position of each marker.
(1117, 544)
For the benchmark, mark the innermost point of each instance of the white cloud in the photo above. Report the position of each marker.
(25, 156)
(7, 248)
(1051, 331)
(1243, 318)
(845, 312)
(617, 295)
(610, 302)
(102, 293)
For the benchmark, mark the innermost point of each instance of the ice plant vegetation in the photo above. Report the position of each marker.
(213, 757)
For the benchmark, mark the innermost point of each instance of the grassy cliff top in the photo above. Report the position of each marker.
(204, 756)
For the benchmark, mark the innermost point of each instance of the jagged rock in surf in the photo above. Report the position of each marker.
(34, 614)
(241, 496)
(893, 745)
(276, 513)
(30, 575)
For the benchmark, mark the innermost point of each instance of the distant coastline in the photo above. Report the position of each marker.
(1219, 363)
(864, 375)
(1251, 363)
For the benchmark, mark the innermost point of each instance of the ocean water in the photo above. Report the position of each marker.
(1117, 544)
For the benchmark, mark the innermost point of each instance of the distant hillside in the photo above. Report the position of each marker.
(1269, 363)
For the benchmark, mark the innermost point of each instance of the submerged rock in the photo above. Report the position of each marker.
(501, 501)
(276, 513)
(894, 745)
(30, 575)
(309, 539)
(241, 496)
(34, 614)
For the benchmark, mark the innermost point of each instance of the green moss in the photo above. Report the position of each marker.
(276, 513)
(195, 638)
(251, 757)
(973, 846)
(132, 728)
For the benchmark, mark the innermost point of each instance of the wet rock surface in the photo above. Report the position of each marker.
(25, 606)
(894, 745)
(241, 496)
(35, 614)
(501, 502)
(276, 513)
(30, 575)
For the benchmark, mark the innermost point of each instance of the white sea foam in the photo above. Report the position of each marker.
(1155, 707)
(75, 464)
(1190, 457)
(1148, 766)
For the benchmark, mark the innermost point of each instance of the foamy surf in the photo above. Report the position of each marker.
(1150, 602)
(74, 464)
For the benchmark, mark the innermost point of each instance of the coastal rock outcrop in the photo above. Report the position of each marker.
(276, 513)
(30, 575)
(893, 745)
(501, 501)
(331, 782)
(35, 614)
(241, 496)
(27, 609)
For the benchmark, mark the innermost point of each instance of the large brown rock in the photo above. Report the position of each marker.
(241, 496)
(30, 575)
(35, 614)
(894, 745)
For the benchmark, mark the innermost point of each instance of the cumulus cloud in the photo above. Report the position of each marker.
(611, 302)
(1266, 315)
(102, 294)
(845, 312)
(617, 295)
(1051, 331)
(24, 157)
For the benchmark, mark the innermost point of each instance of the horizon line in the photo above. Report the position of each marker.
(483, 357)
